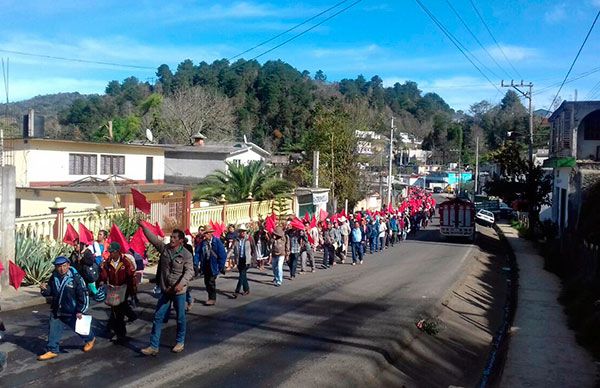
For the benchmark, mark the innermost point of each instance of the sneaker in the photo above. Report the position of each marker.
(177, 348)
(149, 351)
(188, 306)
(353, 263)
(89, 346)
(360, 262)
(210, 302)
(246, 293)
(47, 356)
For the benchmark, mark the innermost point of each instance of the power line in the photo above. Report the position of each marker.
(493, 38)
(307, 30)
(476, 38)
(76, 60)
(575, 60)
(288, 30)
(593, 91)
(454, 41)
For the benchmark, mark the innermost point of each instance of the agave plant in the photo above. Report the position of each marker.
(35, 257)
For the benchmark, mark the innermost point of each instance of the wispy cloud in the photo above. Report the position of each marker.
(513, 53)
(556, 13)
(341, 53)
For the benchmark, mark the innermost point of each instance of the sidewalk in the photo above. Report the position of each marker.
(542, 351)
(29, 296)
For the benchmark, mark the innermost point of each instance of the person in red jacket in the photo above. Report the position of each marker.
(118, 271)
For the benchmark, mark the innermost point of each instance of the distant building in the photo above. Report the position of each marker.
(574, 156)
(188, 164)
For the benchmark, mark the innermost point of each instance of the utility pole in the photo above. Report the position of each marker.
(528, 96)
(476, 165)
(390, 176)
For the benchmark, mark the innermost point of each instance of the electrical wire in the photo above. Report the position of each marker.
(493, 38)
(288, 30)
(476, 38)
(574, 60)
(307, 30)
(76, 60)
(454, 41)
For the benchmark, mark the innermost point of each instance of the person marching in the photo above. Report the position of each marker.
(70, 301)
(175, 271)
(212, 262)
(118, 273)
(263, 243)
(280, 249)
(246, 254)
(356, 241)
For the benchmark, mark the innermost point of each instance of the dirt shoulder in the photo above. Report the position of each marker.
(469, 316)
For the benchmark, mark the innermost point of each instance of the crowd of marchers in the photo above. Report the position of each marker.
(105, 272)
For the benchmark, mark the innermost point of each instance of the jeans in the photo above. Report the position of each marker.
(277, 265)
(162, 309)
(56, 326)
(293, 264)
(242, 279)
(381, 243)
(188, 296)
(357, 252)
(328, 255)
(210, 281)
(373, 244)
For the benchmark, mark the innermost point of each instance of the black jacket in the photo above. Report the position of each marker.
(69, 293)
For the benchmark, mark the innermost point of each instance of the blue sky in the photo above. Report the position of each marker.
(393, 39)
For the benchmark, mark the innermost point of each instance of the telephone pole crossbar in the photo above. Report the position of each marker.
(528, 95)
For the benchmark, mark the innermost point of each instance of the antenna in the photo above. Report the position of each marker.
(149, 135)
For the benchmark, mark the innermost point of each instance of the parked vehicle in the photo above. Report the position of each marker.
(504, 212)
(437, 189)
(485, 217)
(457, 218)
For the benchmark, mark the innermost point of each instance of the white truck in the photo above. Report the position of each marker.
(457, 218)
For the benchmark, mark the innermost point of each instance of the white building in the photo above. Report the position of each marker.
(188, 164)
(48, 168)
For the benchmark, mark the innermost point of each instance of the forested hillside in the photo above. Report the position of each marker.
(273, 104)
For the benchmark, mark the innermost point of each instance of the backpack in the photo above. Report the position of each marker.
(90, 273)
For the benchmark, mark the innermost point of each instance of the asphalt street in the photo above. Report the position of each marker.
(343, 326)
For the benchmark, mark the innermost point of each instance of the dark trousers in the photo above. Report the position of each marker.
(242, 279)
(357, 252)
(293, 263)
(210, 281)
(116, 321)
(328, 255)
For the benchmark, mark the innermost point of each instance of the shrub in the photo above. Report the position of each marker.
(35, 257)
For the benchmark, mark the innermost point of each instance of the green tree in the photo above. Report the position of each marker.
(238, 181)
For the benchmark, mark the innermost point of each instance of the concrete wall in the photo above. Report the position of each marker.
(245, 157)
(183, 171)
(7, 221)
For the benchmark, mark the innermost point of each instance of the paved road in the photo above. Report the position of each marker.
(344, 326)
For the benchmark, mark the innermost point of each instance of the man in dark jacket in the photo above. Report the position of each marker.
(175, 271)
(212, 258)
(70, 301)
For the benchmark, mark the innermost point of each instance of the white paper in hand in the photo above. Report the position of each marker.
(83, 325)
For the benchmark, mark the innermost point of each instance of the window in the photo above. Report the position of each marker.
(591, 126)
(112, 164)
(83, 164)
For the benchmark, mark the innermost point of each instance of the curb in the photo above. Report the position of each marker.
(500, 341)
(7, 305)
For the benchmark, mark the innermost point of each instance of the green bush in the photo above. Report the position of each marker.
(35, 257)
(128, 223)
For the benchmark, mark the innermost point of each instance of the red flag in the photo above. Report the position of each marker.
(1, 268)
(15, 275)
(334, 218)
(358, 217)
(323, 215)
(297, 224)
(269, 225)
(310, 238)
(117, 236)
(343, 213)
(71, 235)
(85, 235)
(306, 217)
(313, 222)
(138, 242)
(159, 231)
(140, 201)
(187, 232)
(369, 213)
(390, 208)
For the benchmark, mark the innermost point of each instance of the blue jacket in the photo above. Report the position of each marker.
(217, 255)
(69, 293)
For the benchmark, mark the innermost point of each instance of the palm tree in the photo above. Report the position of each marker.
(238, 181)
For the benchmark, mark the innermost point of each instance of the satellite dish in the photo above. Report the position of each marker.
(149, 135)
